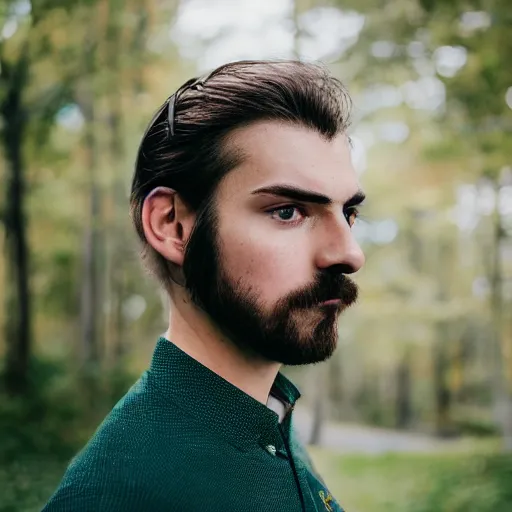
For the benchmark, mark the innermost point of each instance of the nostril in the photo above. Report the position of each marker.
(340, 268)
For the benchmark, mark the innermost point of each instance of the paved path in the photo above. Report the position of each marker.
(354, 438)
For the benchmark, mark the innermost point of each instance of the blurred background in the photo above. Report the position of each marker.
(416, 405)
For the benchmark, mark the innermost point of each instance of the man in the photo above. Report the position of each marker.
(244, 196)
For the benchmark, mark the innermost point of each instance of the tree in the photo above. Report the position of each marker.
(28, 111)
(13, 81)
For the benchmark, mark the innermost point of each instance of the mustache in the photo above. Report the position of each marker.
(326, 287)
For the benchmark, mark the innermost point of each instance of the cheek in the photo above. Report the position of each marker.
(270, 266)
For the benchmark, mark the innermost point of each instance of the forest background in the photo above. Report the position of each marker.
(416, 412)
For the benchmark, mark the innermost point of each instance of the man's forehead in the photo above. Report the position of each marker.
(285, 154)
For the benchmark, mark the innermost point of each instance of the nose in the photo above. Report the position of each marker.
(338, 247)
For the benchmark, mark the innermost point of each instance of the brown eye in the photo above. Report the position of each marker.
(351, 215)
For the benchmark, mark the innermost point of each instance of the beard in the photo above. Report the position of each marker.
(296, 330)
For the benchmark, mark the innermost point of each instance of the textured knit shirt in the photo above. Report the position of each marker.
(185, 439)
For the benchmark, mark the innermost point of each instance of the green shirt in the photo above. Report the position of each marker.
(184, 439)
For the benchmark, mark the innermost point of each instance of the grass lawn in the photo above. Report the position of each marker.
(451, 482)
(399, 483)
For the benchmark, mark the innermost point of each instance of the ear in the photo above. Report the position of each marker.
(167, 223)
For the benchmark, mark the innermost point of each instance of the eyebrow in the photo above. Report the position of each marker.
(307, 196)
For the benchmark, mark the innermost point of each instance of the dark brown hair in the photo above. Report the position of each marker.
(184, 146)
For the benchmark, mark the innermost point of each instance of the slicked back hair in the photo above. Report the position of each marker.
(184, 147)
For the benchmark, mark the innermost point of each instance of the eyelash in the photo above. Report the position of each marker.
(352, 210)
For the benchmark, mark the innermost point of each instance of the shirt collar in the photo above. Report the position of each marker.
(224, 408)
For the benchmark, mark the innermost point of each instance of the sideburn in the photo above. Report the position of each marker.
(201, 257)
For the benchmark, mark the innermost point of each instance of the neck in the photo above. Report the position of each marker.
(192, 331)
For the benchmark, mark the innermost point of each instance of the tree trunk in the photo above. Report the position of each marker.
(443, 398)
(335, 391)
(403, 393)
(116, 240)
(441, 360)
(502, 397)
(90, 305)
(143, 11)
(17, 293)
(89, 300)
(299, 7)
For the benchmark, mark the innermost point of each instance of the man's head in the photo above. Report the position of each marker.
(244, 194)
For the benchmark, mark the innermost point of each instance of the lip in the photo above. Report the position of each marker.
(331, 302)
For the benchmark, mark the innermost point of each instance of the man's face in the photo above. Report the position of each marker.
(277, 248)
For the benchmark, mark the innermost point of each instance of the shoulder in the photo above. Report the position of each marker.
(104, 496)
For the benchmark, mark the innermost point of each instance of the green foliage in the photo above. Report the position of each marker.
(476, 427)
(59, 411)
(59, 292)
(27, 483)
(371, 409)
(419, 483)
(43, 422)
(482, 484)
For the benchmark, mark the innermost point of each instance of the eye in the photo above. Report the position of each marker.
(351, 215)
(288, 214)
